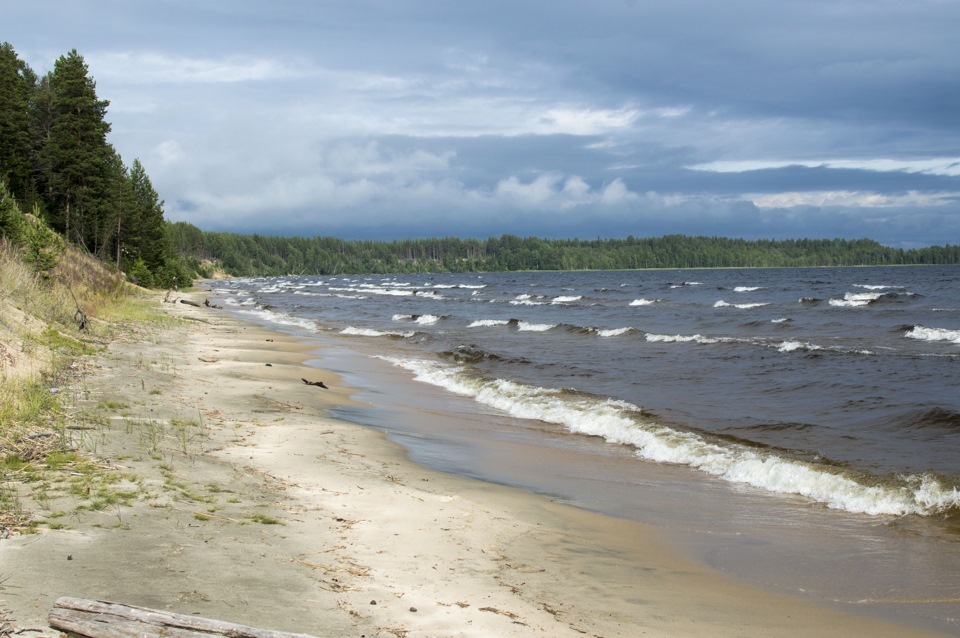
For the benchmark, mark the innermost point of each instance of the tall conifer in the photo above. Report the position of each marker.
(74, 154)
(17, 84)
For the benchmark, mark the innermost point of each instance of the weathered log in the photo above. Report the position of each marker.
(190, 303)
(101, 619)
(319, 384)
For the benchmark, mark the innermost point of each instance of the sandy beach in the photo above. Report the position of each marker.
(243, 500)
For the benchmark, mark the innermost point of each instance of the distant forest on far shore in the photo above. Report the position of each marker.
(252, 255)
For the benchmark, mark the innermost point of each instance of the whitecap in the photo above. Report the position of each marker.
(741, 306)
(933, 334)
(794, 346)
(697, 338)
(525, 326)
(856, 299)
(367, 332)
(486, 323)
(623, 423)
(613, 332)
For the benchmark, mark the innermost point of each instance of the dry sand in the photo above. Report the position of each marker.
(253, 506)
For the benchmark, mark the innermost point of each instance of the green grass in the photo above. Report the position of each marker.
(264, 519)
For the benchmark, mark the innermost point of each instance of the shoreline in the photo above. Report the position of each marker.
(254, 506)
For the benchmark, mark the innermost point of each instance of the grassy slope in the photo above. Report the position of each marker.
(39, 341)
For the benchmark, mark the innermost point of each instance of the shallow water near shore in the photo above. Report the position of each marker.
(793, 382)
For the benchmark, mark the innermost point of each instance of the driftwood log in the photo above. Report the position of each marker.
(100, 619)
(319, 384)
(190, 303)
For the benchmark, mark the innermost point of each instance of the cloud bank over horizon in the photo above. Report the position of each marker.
(378, 119)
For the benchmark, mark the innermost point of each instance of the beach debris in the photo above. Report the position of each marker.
(190, 303)
(319, 384)
(509, 614)
(101, 619)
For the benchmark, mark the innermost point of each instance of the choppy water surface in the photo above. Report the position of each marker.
(827, 388)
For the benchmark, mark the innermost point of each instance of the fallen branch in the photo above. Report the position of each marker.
(319, 384)
(101, 619)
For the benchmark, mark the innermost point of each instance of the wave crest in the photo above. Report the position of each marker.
(626, 424)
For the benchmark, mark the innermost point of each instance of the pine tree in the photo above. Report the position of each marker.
(74, 154)
(17, 84)
(150, 240)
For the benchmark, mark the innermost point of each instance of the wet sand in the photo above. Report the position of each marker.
(254, 505)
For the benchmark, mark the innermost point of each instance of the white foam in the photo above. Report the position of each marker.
(794, 346)
(425, 320)
(655, 338)
(526, 300)
(856, 299)
(742, 306)
(645, 302)
(871, 287)
(371, 290)
(281, 319)
(614, 332)
(933, 334)
(367, 332)
(747, 288)
(525, 326)
(566, 299)
(486, 323)
(623, 423)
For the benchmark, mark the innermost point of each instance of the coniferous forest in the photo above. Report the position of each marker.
(261, 255)
(57, 166)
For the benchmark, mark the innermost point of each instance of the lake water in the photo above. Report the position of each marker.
(795, 427)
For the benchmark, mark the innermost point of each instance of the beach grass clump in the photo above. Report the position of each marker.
(264, 519)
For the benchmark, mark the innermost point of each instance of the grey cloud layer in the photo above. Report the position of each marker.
(557, 118)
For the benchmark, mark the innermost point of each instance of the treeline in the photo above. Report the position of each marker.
(245, 255)
(56, 164)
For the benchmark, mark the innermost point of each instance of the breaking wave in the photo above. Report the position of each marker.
(623, 423)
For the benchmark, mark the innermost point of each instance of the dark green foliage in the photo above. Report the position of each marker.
(44, 247)
(74, 157)
(140, 274)
(146, 235)
(17, 85)
(39, 245)
(243, 255)
(55, 160)
(11, 219)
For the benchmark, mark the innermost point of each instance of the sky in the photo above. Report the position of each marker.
(393, 119)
